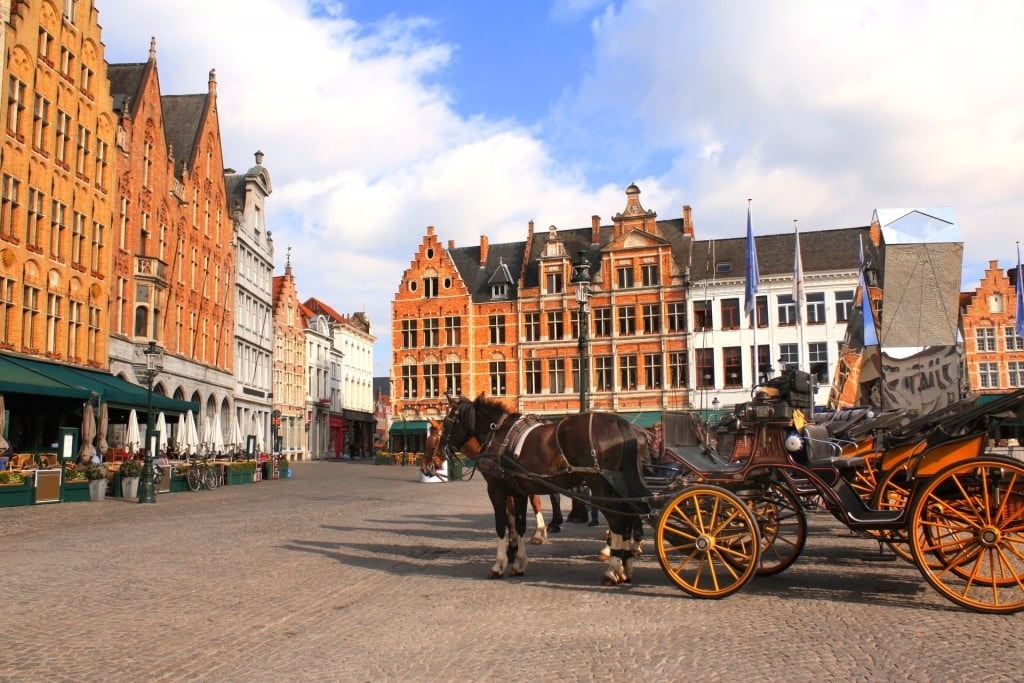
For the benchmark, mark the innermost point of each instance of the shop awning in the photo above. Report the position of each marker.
(642, 419)
(357, 416)
(72, 382)
(410, 427)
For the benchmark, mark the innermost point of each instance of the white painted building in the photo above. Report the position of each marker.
(722, 340)
(319, 341)
(254, 301)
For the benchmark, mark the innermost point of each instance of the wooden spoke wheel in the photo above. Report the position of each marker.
(707, 542)
(782, 525)
(893, 493)
(967, 534)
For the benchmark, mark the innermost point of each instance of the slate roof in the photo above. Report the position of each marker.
(467, 262)
(820, 250)
(125, 81)
(183, 116)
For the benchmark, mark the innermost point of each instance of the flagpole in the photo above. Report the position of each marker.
(799, 297)
(1020, 297)
(753, 280)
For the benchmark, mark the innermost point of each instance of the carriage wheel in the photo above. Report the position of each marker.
(707, 542)
(894, 494)
(970, 517)
(782, 525)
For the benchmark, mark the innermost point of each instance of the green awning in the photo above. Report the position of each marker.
(642, 419)
(409, 427)
(29, 376)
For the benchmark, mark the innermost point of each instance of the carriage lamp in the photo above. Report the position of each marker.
(154, 364)
(581, 278)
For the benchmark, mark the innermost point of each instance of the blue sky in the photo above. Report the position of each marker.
(379, 118)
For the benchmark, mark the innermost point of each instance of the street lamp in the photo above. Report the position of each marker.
(581, 278)
(154, 363)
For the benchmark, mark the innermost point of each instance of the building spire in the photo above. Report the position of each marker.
(152, 49)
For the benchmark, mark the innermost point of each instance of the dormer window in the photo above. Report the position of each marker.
(499, 291)
(723, 267)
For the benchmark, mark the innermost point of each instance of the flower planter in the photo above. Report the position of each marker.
(13, 495)
(239, 476)
(178, 483)
(98, 490)
(129, 487)
(74, 491)
(382, 459)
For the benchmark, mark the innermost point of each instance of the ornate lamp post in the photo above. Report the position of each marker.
(154, 363)
(581, 278)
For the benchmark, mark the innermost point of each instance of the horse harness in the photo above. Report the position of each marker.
(511, 447)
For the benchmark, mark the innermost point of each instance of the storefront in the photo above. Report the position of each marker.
(409, 436)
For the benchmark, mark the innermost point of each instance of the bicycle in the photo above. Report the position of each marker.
(201, 473)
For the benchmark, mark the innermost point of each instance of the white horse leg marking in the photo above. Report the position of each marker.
(615, 573)
(540, 534)
(519, 565)
(500, 561)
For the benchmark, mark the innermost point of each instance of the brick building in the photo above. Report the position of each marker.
(291, 425)
(993, 351)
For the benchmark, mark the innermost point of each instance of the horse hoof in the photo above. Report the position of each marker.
(536, 540)
(608, 581)
(554, 529)
(518, 573)
(494, 575)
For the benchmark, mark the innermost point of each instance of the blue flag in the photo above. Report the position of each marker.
(753, 276)
(870, 334)
(1020, 297)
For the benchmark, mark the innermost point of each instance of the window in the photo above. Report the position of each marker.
(844, 305)
(453, 331)
(764, 362)
(86, 82)
(603, 369)
(531, 326)
(816, 308)
(627, 373)
(649, 275)
(787, 310)
(496, 325)
(94, 332)
(431, 383)
(431, 333)
(627, 320)
(408, 382)
(53, 303)
(730, 314)
(702, 318)
(732, 365)
(67, 62)
(988, 375)
(602, 322)
(77, 238)
(35, 218)
(1016, 373)
(531, 375)
(499, 290)
(705, 368)
(430, 287)
(60, 150)
(556, 375)
(723, 267)
(761, 310)
(817, 356)
(554, 283)
(15, 107)
(29, 317)
(96, 251)
(9, 205)
(6, 308)
(676, 316)
(408, 334)
(58, 226)
(678, 370)
(985, 338)
(69, 10)
(101, 164)
(496, 371)
(624, 276)
(556, 326)
(789, 355)
(1013, 341)
(40, 122)
(652, 371)
(574, 324)
(575, 374)
(652, 318)
(453, 378)
(45, 46)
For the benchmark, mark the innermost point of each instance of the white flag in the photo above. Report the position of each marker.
(799, 296)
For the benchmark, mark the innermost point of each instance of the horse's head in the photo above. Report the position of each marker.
(458, 425)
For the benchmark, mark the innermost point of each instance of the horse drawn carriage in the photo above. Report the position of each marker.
(730, 504)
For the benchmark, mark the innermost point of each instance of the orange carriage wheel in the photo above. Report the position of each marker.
(970, 517)
(707, 541)
(893, 493)
(782, 525)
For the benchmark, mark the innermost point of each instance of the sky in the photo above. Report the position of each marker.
(379, 118)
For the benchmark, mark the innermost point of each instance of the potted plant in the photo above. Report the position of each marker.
(15, 489)
(76, 487)
(241, 472)
(130, 470)
(97, 476)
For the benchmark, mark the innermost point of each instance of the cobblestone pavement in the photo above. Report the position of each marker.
(356, 572)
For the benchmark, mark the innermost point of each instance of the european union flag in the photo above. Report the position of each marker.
(753, 276)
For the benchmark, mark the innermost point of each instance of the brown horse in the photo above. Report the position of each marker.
(524, 455)
(433, 462)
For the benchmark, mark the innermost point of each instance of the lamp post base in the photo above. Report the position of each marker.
(147, 490)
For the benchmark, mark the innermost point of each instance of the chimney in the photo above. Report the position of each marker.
(529, 230)
(595, 229)
(451, 244)
(687, 220)
(213, 81)
(484, 248)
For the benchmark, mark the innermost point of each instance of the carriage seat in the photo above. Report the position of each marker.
(824, 452)
(700, 459)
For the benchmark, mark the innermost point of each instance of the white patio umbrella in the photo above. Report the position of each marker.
(236, 434)
(257, 429)
(87, 450)
(101, 444)
(179, 434)
(3, 442)
(191, 441)
(218, 434)
(161, 426)
(134, 438)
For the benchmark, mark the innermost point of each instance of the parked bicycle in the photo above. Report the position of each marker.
(202, 473)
